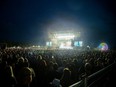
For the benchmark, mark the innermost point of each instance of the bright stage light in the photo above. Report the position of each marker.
(65, 47)
(64, 36)
(67, 37)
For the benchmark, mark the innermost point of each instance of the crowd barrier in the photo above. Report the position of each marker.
(93, 79)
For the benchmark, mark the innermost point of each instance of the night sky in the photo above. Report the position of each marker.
(31, 20)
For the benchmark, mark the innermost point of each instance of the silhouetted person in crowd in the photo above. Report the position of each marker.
(7, 78)
(25, 77)
(66, 78)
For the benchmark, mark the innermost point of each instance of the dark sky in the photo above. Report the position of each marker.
(31, 20)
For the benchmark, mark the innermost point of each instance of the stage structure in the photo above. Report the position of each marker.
(64, 39)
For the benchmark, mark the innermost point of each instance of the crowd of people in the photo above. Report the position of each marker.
(49, 68)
